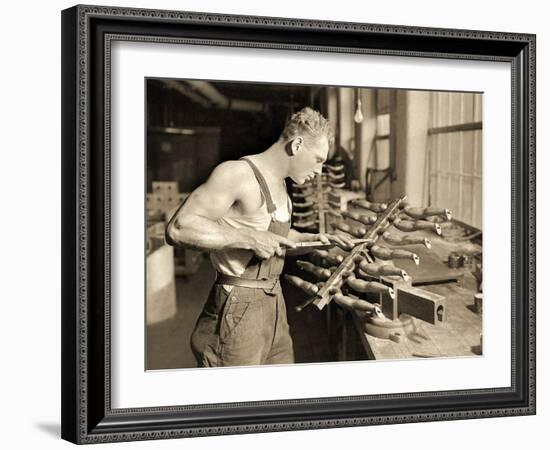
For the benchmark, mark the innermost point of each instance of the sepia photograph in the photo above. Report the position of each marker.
(293, 224)
(284, 223)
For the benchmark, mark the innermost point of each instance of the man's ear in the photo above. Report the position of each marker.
(296, 144)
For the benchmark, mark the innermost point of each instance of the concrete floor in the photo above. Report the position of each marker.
(168, 342)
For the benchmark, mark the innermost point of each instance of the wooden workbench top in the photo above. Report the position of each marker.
(459, 335)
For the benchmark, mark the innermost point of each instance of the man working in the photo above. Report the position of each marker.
(241, 215)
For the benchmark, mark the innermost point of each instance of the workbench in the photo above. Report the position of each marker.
(459, 335)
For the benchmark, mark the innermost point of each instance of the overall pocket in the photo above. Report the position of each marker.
(235, 312)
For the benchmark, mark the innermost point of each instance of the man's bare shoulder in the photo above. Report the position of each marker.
(232, 175)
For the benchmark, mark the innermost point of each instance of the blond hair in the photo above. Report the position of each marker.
(310, 123)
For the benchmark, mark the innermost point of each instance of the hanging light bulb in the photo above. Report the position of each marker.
(358, 117)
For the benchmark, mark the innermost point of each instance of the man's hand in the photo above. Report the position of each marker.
(265, 244)
(344, 242)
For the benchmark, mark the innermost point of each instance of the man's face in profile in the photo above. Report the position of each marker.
(309, 155)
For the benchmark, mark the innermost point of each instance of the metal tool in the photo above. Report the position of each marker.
(324, 295)
(320, 244)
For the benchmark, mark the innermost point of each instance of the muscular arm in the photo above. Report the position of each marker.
(194, 223)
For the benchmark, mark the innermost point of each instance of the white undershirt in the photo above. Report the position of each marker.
(233, 262)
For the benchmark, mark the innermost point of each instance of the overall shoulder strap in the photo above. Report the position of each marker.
(263, 186)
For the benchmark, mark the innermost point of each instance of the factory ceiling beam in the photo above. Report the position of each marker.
(221, 101)
(186, 91)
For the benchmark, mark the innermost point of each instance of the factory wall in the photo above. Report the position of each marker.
(345, 100)
(410, 119)
(427, 156)
(411, 135)
(368, 132)
(347, 132)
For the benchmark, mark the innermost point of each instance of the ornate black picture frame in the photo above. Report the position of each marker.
(87, 34)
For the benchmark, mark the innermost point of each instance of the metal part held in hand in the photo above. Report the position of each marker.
(324, 295)
(321, 244)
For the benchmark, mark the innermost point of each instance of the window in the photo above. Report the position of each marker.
(455, 155)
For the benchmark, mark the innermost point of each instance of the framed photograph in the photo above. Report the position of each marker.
(284, 224)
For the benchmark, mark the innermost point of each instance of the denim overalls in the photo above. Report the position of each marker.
(248, 325)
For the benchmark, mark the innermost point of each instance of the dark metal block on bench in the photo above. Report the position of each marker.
(421, 304)
(413, 301)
